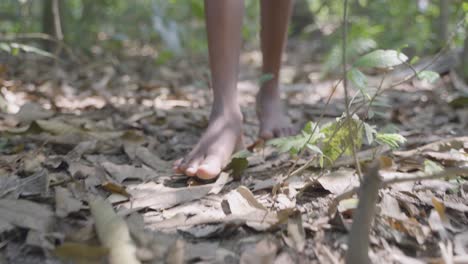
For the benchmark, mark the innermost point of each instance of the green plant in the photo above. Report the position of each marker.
(334, 139)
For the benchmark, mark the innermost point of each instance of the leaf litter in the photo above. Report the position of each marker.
(87, 175)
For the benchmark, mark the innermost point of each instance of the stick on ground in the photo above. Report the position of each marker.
(358, 244)
(113, 233)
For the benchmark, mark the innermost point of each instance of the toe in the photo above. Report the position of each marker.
(286, 132)
(176, 164)
(210, 168)
(192, 167)
(278, 132)
(266, 134)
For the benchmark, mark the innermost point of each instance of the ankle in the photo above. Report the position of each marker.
(232, 114)
(269, 89)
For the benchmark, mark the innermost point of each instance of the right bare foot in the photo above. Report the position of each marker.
(213, 151)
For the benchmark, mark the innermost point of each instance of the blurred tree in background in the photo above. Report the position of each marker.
(176, 27)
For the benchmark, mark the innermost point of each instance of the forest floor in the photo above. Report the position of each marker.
(112, 127)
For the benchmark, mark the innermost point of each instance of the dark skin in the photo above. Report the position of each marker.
(223, 136)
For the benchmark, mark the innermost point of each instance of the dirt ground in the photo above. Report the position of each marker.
(110, 128)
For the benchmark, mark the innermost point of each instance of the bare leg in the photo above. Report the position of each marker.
(275, 15)
(224, 133)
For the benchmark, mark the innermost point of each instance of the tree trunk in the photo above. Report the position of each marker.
(464, 64)
(443, 21)
(52, 21)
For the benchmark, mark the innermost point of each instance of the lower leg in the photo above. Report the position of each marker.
(275, 15)
(224, 133)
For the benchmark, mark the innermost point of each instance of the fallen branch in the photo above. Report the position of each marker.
(358, 243)
(113, 233)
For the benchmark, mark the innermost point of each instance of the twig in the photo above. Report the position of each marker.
(358, 243)
(57, 25)
(345, 87)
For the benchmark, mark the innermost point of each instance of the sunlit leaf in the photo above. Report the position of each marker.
(359, 80)
(431, 167)
(381, 59)
(31, 49)
(355, 48)
(429, 76)
(392, 140)
(5, 47)
(370, 132)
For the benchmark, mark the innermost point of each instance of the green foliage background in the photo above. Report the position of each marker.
(382, 23)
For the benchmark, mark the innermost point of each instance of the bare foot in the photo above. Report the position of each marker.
(212, 153)
(273, 121)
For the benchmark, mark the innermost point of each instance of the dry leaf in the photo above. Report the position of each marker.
(153, 161)
(26, 214)
(113, 233)
(264, 252)
(339, 181)
(157, 196)
(123, 172)
(31, 112)
(65, 203)
(80, 253)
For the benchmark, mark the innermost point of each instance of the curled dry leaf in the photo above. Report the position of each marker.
(242, 201)
(113, 233)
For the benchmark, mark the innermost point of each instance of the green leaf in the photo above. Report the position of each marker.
(242, 154)
(292, 144)
(370, 132)
(14, 51)
(429, 76)
(459, 102)
(315, 149)
(431, 167)
(392, 140)
(414, 60)
(238, 163)
(238, 166)
(381, 59)
(265, 78)
(31, 49)
(356, 47)
(359, 80)
(465, 7)
(5, 47)
(309, 127)
(337, 138)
